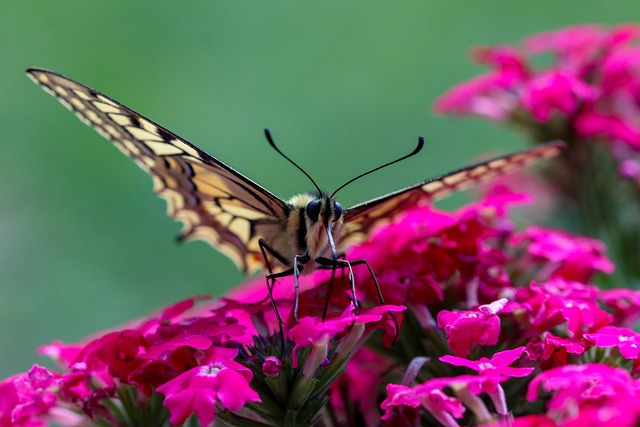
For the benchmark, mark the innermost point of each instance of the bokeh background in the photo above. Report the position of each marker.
(344, 86)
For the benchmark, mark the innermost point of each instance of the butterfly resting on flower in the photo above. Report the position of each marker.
(240, 218)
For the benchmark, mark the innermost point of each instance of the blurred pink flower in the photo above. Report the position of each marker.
(555, 91)
(573, 257)
(627, 341)
(578, 390)
(429, 395)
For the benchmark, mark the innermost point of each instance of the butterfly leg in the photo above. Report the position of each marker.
(373, 277)
(271, 280)
(298, 264)
(341, 256)
(380, 297)
(328, 296)
(330, 263)
(333, 264)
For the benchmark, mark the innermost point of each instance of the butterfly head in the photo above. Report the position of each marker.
(322, 208)
(320, 220)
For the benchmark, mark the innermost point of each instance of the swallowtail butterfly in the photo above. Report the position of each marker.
(238, 216)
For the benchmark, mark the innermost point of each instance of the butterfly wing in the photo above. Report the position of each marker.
(360, 219)
(215, 203)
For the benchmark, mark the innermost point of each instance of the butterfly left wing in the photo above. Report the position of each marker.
(361, 218)
(215, 203)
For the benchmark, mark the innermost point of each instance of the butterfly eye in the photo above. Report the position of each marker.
(337, 209)
(313, 210)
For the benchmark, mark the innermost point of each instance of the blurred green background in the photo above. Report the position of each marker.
(344, 86)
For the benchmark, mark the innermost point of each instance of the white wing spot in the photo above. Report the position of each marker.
(242, 212)
(133, 148)
(478, 171)
(456, 178)
(120, 119)
(432, 187)
(162, 149)
(60, 90)
(77, 104)
(106, 108)
(82, 95)
(143, 134)
(112, 131)
(106, 100)
(149, 127)
(91, 115)
(42, 77)
(186, 148)
(241, 229)
(497, 164)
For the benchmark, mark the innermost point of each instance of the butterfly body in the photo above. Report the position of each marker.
(240, 218)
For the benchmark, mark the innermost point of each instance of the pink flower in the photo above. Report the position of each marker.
(594, 122)
(574, 46)
(465, 328)
(620, 70)
(429, 255)
(559, 301)
(555, 91)
(61, 353)
(272, 366)
(489, 95)
(592, 83)
(498, 366)
(317, 334)
(116, 351)
(483, 96)
(29, 399)
(570, 345)
(221, 383)
(34, 392)
(492, 371)
(429, 395)
(625, 305)
(573, 257)
(509, 61)
(623, 412)
(627, 341)
(576, 388)
(402, 397)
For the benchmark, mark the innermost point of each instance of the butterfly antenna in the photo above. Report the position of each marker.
(273, 145)
(413, 153)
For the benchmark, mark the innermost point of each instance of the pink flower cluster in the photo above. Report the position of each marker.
(493, 312)
(199, 360)
(508, 304)
(190, 360)
(481, 324)
(589, 90)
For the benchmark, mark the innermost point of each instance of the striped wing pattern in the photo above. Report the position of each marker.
(360, 219)
(214, 202)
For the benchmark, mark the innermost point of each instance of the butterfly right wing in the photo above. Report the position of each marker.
(215, 203)
(362, 218)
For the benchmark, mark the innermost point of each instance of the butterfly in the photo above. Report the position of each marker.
(240, 218)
